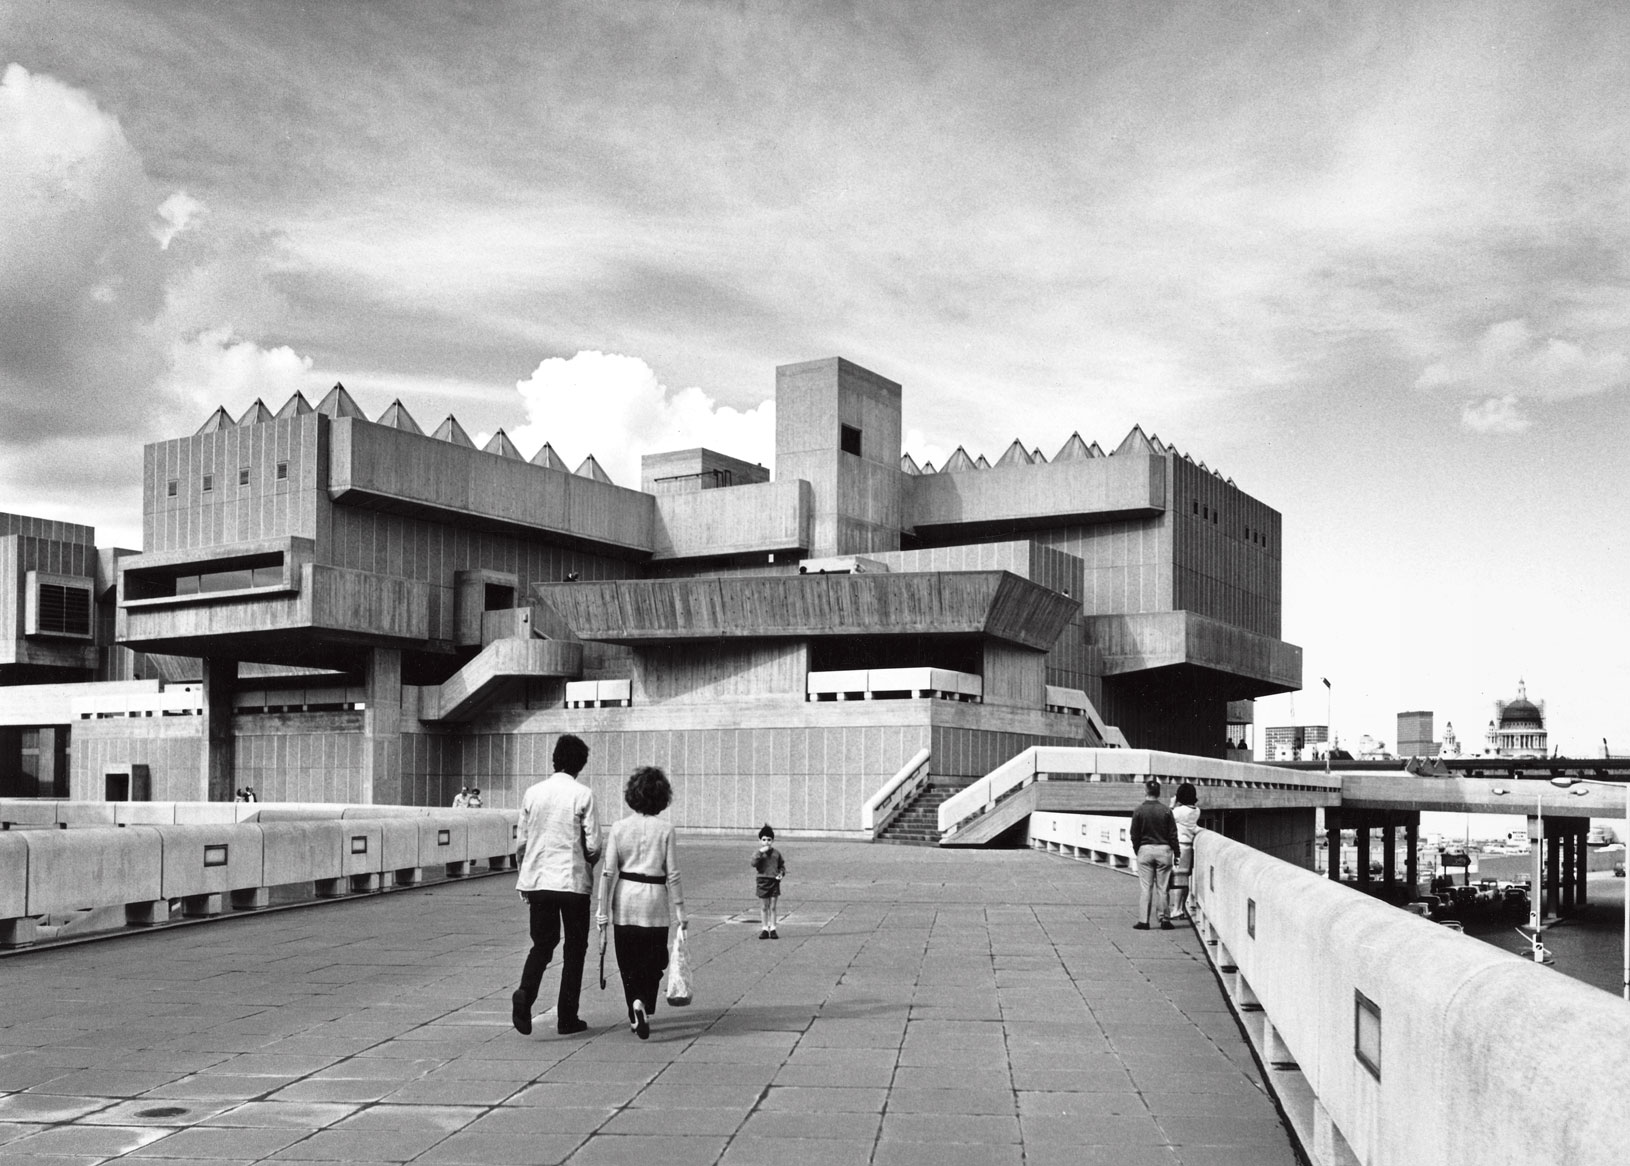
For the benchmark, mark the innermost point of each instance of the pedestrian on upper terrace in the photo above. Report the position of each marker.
(640, 892)
(461, 799)
(1186, 812)
(559, 835)
(1154, 841)
(771, 868)
(474, 800)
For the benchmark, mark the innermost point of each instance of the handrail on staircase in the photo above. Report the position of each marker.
(895, 794)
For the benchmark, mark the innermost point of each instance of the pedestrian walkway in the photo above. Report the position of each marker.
(922, 1006)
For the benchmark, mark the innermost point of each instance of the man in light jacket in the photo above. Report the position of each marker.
(559, 843)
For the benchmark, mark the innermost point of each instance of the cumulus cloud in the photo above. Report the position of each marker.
(920, 447)
(175, 215)
(615, 408)
(107, 339)
(1510, 364)
(215, 367)
(80, 276)
(1494, 415)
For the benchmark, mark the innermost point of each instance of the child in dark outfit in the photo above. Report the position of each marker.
(771, 867)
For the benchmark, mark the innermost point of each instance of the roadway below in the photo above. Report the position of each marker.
(1588, 944)
(922, 1006)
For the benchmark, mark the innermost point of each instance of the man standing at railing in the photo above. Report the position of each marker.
(1154, 841)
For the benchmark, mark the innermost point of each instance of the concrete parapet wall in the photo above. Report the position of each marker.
(1408, 1042)
(763, 517)
(1061, 492)
(208, 859)
(97, 866)
(147, 868)
(13, 875)
(378, 464)
(1095, 837)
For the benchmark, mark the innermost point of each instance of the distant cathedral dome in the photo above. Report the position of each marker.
(1521, 714)
(1518, 729)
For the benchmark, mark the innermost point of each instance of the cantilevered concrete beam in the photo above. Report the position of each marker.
(993, 603)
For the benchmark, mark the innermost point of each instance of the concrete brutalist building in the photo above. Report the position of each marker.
(331, 608)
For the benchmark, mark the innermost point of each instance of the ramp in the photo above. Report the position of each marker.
(474, 686)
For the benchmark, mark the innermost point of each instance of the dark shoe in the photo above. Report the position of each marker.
(1140, 927)
(568, 1027)
(520, 1013)
(774, 934)
(765, 934)
(1166, 925)
(642, 1026)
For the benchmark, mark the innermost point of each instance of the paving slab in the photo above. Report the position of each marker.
(922, 1006)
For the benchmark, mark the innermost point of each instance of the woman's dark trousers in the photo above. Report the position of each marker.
(642, 955)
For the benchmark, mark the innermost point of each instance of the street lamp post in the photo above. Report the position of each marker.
(1329, 725)
(1536, 873)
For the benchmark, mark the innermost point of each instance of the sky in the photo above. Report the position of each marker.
(1369, 260)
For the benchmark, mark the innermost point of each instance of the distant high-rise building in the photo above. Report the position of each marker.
(1295, 742)
(1415, 735)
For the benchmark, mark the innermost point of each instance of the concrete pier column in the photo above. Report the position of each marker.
(1536, 872)
(1332, 844)
(1553, 867)
(1568, 865)
(1362, 837)
(382, 729)
(1412, 872)
(1389, 856)
(217, 779)
(1581, 867)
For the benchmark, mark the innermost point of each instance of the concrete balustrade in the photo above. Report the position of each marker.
(303, 852)
(97, 866)
(398, 852)
(1390, 1039)
(895, 794)
(491, 838)
(13, 877)
(445, 843)
(1091, 837)
(28, 811)
(158, 867)
(867, 684)
(362, 854)
(201, 865)
(581, 694)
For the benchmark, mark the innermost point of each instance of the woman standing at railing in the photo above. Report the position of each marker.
(1186, 810)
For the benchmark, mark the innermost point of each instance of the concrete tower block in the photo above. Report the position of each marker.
(837, 426)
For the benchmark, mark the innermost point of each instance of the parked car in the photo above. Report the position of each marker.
(1618, 870)
(1452, 925)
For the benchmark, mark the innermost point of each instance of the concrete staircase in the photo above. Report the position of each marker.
(475, 686)
(918, 823)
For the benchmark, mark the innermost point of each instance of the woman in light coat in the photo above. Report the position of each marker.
(640, 890)
(1186, 809)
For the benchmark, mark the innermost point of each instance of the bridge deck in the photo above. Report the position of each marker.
(921, 1006)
